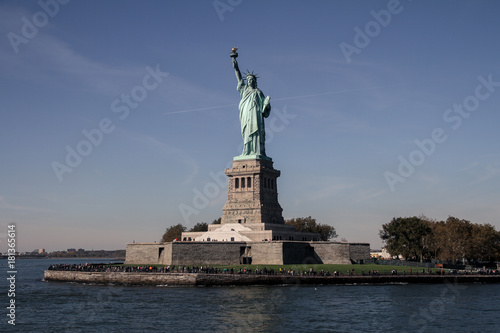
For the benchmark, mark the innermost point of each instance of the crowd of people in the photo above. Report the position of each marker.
(103, 267)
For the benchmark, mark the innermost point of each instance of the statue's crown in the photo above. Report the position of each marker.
(248, 73)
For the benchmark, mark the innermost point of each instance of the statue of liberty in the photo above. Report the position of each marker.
(254, 107)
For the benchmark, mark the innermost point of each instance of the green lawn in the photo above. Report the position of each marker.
(343, 269)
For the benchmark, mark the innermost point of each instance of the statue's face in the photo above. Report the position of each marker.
(252, 81)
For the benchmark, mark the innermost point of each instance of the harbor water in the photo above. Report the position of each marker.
(68, 307)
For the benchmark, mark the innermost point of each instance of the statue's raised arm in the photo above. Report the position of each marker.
(235, 64)
(237, 70)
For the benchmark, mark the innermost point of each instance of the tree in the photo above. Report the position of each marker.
(433, 241)
(455, 240)
(173, 232)
(308, 224)
(202, 226)
(405, 236)
(485, 242)
(217, 221)
(452, 240)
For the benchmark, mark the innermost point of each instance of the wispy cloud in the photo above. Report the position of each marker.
(46, 58)
(484, 169)
(330, 187)
(287, 98)
(165, 149)
(489, 171)
(8, 206)
(427, 179)
(364, 195)
(469, 166)
(184, 96)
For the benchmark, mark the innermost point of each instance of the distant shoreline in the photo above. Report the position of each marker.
(203, 279)
(100, 258)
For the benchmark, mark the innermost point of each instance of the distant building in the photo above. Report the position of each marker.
(41, 251)
(69, 250)
(380, 254)
(81, 250)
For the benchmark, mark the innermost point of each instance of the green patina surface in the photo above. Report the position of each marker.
(251, 157)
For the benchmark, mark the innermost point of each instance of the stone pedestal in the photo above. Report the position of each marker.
(252, 212)
(252, 195)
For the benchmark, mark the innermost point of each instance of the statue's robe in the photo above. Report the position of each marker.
(252, 114)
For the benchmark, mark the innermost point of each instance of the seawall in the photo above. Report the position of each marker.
(202, 279)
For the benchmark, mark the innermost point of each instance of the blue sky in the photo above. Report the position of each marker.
(353, 85)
